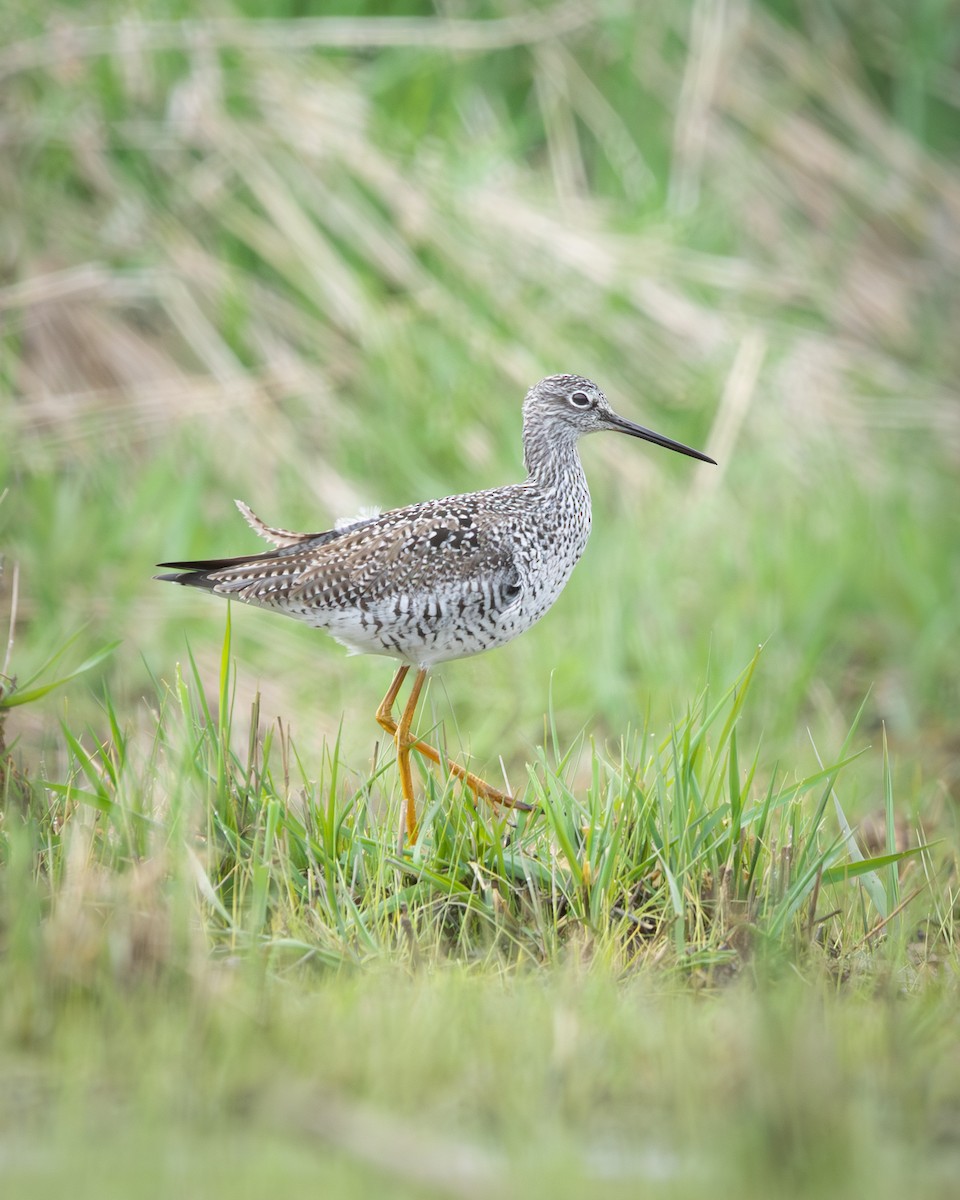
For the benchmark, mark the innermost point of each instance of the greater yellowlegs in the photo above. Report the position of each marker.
(443, 579)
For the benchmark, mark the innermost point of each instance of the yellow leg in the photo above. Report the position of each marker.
(404, 744)
(402, 738)
(385, 711)
(385, 718)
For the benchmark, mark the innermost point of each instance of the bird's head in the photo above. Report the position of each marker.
(565, 405)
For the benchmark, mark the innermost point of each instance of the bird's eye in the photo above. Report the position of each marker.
(580, 399)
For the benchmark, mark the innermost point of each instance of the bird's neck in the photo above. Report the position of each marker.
(551, 459)
(559, 489)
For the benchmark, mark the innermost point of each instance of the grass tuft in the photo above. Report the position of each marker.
(664, 850)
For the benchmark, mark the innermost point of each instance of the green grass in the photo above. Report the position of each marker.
(239, 260)
(450, 1083)
(679, 967)
(682, 846)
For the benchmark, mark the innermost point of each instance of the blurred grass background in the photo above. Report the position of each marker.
(315, 260)
(316, 265)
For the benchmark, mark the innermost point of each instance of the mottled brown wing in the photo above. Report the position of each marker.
(261, 578)
(431, 550)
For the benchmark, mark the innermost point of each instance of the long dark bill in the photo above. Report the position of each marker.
(622, 425)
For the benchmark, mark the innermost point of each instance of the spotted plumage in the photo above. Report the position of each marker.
(445, 578)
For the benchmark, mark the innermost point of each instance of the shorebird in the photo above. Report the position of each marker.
(443, 579)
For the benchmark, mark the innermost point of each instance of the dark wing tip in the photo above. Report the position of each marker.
(211, 564)
(194, 574)
(174, 577)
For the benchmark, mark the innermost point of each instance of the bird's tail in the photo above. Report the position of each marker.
(202, 573)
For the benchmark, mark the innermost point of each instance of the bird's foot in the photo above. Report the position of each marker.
(405, 743)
